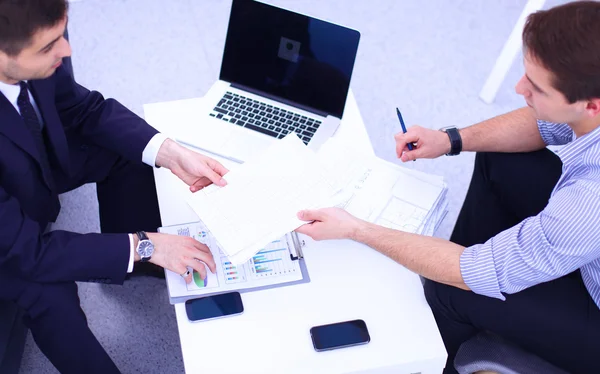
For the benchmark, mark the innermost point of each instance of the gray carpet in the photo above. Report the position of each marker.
(430, 58)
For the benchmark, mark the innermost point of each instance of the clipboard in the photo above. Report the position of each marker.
(279, 264)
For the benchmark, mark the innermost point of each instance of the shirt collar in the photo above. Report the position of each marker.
(10, 91)
(574, 149)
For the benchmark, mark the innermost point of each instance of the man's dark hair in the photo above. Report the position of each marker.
(566, 41)
(21, 19)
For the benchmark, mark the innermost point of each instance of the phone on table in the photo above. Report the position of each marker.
(340, 335)
(215, 306)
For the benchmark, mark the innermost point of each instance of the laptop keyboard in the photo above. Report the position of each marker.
(264, 118)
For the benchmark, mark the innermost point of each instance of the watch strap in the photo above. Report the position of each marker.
(455, 141)
(142, 235)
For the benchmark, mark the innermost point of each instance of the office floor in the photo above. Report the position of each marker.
(430, 58)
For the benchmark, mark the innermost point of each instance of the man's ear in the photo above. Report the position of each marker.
(593, 107)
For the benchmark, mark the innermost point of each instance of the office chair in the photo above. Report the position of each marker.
(488, 352)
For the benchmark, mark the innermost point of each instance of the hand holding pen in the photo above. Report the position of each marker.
(419, 142)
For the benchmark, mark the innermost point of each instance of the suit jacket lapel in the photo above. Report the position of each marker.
(43, 92)
(12, 126)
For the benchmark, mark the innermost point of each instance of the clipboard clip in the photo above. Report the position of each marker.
(297, 244)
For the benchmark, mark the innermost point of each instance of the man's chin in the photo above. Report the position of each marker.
(48, 74)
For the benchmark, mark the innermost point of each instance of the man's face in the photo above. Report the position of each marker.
(548, 103)
(39, 59)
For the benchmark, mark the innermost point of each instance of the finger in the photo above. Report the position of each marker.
(198, 267)
(306, 229)
(310, 215)
(403, 140)
(199, 246)
(204, 257)
(411, 155)
(182, 269)
(206, 177)
(200, 184)
(213, 174)
(220, 169)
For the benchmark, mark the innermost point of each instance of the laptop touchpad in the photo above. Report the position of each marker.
(246, 146)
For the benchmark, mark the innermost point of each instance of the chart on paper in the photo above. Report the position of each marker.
(273, 260)
(233, 274)
(211, 280)
(272, 265)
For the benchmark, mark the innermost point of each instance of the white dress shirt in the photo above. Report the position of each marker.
(12, 91)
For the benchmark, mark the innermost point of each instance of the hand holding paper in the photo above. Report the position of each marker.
(263, 196)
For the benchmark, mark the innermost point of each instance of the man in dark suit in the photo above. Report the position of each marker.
(56, 135)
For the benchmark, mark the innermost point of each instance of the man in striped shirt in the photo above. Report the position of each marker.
(524, 259)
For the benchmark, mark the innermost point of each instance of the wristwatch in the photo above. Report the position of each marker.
(145, 247)
(455, 140)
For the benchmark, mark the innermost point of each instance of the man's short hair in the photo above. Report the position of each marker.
(21, 19)
(566, 41)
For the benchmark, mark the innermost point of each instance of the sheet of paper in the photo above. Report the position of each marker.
(271, 265)
(364, 184)
(372, 185)
(262, 197)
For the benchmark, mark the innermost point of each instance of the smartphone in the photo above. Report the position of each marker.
(215, 306)
(340, 335)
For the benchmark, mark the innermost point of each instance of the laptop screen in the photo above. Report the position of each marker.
(290, 56)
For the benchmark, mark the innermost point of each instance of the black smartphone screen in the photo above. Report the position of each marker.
(214, 306)
(338, 335)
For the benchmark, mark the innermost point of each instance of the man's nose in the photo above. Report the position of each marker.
(65, 48)
(521, 87)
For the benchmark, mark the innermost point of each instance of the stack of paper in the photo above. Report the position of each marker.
(263, 196)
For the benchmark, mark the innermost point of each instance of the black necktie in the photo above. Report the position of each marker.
(33, 124)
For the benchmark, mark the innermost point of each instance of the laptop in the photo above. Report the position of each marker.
(281, 72)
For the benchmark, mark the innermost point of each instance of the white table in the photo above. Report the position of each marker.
(348, 281)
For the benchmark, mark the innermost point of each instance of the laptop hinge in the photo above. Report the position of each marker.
(279, 99)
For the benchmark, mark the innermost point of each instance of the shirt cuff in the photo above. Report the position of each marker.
(151, 151)
(131, 254)
(479, 272)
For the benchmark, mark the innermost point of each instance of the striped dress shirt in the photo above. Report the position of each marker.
(562, 238)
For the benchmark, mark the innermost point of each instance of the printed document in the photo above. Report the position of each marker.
(273, 265)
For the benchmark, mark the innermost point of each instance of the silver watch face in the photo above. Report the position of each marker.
(145, 248)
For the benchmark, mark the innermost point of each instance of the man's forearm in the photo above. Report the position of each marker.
(516, 131)
(433, 258)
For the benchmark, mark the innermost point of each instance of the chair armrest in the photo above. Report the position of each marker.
(487, 351)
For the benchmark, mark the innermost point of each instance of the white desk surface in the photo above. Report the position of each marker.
(348, 281)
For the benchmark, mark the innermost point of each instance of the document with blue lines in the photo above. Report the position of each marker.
(273, 265)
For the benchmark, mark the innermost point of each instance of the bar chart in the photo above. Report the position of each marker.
(232, 273)
(274, 260)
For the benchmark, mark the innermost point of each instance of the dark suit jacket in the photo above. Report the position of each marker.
(73, 116)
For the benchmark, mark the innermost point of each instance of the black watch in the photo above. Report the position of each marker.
(145, 247)
(455, 140)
